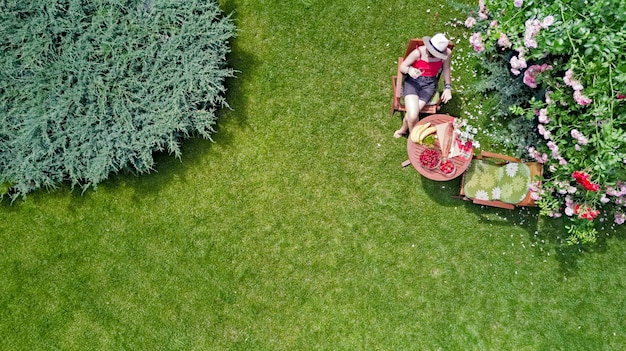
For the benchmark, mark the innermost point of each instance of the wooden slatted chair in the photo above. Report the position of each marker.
(397, 104)
(499, 181)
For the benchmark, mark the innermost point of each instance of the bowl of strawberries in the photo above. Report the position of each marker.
(429, 158)
(447, 168)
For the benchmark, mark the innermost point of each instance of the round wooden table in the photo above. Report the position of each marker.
(414, 150)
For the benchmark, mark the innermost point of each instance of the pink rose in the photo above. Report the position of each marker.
(517, 63)
(620, 218)
(470, 22)
(547, 96)
(581, 99)
(529, 80)
(543, 116)
(604, 199)
(567, 78)
(543, 131)
(547, 21)
(503, 41)
(532, 72)
(530, 43)
(477, 42)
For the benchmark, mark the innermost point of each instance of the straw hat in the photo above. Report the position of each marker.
(437, 45)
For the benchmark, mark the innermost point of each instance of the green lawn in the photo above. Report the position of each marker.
(297, 229)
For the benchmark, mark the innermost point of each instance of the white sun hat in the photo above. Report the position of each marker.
(437, 45)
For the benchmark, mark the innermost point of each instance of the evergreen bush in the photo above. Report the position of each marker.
(88, 88)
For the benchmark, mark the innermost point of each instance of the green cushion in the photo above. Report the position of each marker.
(513, 179)
(485, 180)
(481, 180)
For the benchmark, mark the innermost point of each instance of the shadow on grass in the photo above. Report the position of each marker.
(547, 233)
(453, 107)
(446, 194)
(554, 233)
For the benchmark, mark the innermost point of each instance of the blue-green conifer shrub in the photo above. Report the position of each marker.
(92, 87)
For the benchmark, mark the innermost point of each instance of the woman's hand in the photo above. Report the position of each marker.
(446, 95)
(414, 72)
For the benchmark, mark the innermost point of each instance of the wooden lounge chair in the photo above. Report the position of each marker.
(499, 181)
(397, 104)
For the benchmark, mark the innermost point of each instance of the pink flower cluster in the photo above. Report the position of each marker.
(555, 153)
(620, 218)
(533, 26)
(547, 135)
(531, 74)
(580, 138)
(618, 191)
(470, 22)
(569, 80)
(543, 116)
(476, 41)
(538, 156)
(517, 64)
(535, 191)
(569, 206)
(504, 41)
(543, 131)
(482, 11)
(564, 187)
(482, 14)
(581, 99)
(582, 211)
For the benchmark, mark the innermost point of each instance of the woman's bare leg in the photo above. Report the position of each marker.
(413, 107)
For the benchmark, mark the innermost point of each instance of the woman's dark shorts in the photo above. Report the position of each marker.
(423, 87)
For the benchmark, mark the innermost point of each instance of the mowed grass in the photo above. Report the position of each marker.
(297, 229)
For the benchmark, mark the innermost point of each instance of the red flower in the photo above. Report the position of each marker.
(586, 212)
(621, 96)
(582, 178)
(590, 214)
(591, 186)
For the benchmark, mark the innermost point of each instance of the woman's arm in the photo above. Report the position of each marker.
(406, 66)
(447, 91)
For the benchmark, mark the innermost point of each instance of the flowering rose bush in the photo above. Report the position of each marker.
(571, 59)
